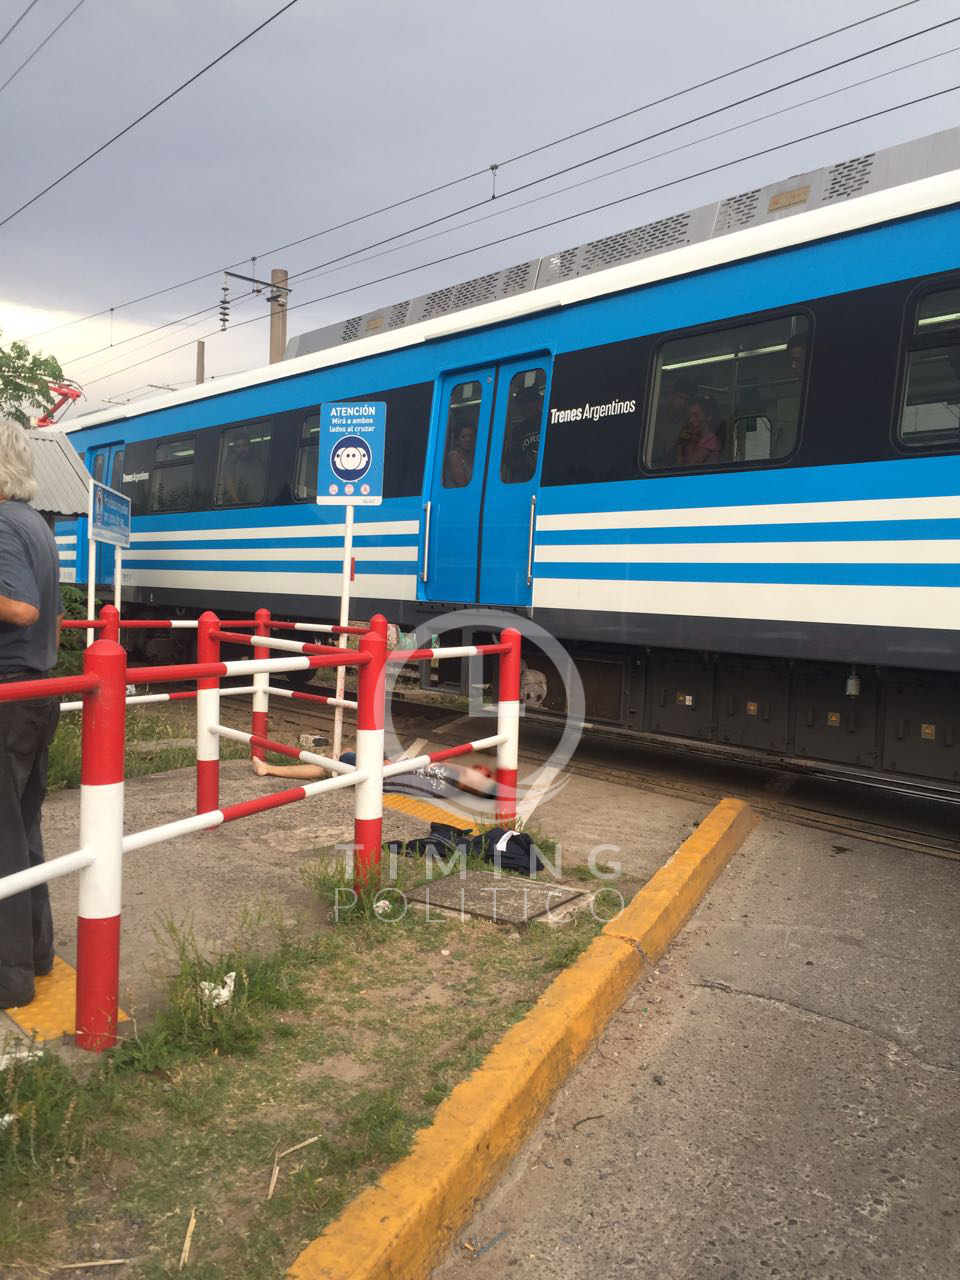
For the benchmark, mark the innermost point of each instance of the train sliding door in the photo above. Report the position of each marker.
(479, 516)
(452, 512)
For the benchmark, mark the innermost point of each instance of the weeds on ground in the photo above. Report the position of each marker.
(344, 1039)
(600, 871)
(143, 727)
(42, 1115)
(195, 1021)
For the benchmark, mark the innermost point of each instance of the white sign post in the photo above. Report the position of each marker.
(108, 521)
(349, 474)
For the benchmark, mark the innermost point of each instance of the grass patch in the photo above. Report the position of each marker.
(351, 1036)
(192, 1025)
(147, 729)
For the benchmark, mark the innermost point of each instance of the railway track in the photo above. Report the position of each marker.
(759, 789)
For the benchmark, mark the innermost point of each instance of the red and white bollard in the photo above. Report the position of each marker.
(208, 715)
(101, 833)
(110, 617)
(261, 686)
(371, 686)
(508, 724)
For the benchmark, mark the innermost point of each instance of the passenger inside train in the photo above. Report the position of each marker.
(243, 472)
(521, 442)
(701, 438)
(670, 419)
(458, 464)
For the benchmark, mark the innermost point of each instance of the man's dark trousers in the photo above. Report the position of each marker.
(26, 926)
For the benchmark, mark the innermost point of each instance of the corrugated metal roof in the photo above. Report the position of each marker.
(62, 479)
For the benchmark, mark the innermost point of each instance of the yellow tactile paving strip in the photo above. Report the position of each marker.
(426, 811)
(52, 1012)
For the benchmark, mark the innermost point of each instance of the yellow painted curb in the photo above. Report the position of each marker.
(664, 904)
(399, 1228)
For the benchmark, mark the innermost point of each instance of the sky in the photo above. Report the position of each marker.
(340, 107)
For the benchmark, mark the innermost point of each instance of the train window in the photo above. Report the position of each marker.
(307, 461)
(116, 471)
(930, 416)
(171, 480)
(242, 468)
(463, 417)
(99, 462)
(521, 434)
(729, 396)
(405, 446)
(939, 311)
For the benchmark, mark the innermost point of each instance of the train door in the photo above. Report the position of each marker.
(105, 464)
(452, 512)
(480, 511)
(510, 499)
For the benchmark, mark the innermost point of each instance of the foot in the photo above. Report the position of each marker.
(14, 1001)
(260, 767)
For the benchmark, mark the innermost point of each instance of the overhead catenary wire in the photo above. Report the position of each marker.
(609, 173)
(167, 324)
(480, 172)
(43, 43)
(747, 66)
(650, 137)
(186, 322)
(320, 268)
(10, 30)
(146, 114)
(726, 164)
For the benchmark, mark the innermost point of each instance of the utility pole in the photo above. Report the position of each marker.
(200, 368)
(278, 313)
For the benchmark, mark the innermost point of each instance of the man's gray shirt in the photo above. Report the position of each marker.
(30, 573)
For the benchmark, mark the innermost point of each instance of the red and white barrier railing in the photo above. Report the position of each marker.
(109, 625)
(103, 689)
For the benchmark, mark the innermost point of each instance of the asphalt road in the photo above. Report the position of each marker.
(780, 1099)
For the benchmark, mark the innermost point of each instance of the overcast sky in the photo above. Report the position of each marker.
(341, 106)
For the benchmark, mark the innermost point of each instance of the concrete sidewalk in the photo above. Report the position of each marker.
(781, 1098)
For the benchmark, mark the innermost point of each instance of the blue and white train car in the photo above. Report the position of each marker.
(718, 456)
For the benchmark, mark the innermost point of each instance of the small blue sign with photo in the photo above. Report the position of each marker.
(350, 454)
(109, 515)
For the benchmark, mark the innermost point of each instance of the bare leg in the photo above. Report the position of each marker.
(264, 770)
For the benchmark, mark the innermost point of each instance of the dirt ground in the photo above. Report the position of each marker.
(208, 879)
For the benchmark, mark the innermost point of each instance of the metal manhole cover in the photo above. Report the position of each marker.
(505, 899)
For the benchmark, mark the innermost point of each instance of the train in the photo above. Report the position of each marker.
(717, 456)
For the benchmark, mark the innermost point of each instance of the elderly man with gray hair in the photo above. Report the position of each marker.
(30, 613)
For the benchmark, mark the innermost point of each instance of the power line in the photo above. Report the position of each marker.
(186, 322)
(209, 275)
(626, 146)
(726, 164)
(322, 267)
(122, 342)
(657, 155)
(600, 124)
(477, 172)
(10, 30)
(156, 107)
(45, 41)
(747, 66)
